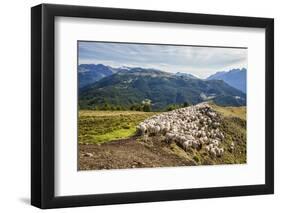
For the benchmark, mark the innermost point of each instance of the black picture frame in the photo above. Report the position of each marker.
(43, 111)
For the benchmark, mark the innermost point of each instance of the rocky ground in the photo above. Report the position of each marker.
(128, 153)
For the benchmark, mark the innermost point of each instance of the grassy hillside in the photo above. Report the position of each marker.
(99, 127)
(128, 88)
(104, 126)
(234, 128)
(228, 112)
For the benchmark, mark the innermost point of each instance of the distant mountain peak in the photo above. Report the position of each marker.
(125, 67)
(91, 73)
(187, 75)
(234, 77)
(138, 71)
(237, 70)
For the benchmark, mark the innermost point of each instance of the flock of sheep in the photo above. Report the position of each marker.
(194, 127)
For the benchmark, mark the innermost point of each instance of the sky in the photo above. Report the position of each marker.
(196, 60)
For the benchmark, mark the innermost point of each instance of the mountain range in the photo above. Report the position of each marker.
(235, 78)
(90, 73)
(128, 86)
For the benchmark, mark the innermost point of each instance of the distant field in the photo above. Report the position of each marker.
(239, 112)
(103, 126)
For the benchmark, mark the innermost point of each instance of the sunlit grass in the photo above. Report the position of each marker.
(104, 126)
(239, 112)
(234, 126)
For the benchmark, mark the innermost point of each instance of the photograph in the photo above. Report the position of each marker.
(160, 105)
(140, 105)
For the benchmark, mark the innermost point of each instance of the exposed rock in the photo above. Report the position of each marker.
(88, 154)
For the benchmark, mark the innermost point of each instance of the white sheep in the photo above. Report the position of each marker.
(142, 129)
(213, 152)
(157, 129)
(195, 144)
(221, 136)
(207, 148)
(190, 127)
(190, 137)
(219, 151)
(215, 142)
(170, 137)
(205, 139)
(186, 145)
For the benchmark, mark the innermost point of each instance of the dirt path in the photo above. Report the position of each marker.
(128, 153)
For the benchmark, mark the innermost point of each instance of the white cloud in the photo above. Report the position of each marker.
(200, 61)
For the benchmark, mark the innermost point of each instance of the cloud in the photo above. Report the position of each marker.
(199, 61)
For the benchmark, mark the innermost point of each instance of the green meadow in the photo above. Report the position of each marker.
(97, 127)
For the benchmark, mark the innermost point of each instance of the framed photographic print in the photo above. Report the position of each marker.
(139, 106)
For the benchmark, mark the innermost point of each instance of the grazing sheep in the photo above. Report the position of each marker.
(190, 127)
(213, 152)
(205, 139)
(195, 144)
(157, 129)
(215, 142)
(232, 147)
(203, 134)
(170, 137)
(219, 151)
(190, 137)
(142, 129)
(221, 136)
(180, 139)
(216, 124)
(145, 138)
(207, 148)
(186, 145)
(201, 140)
